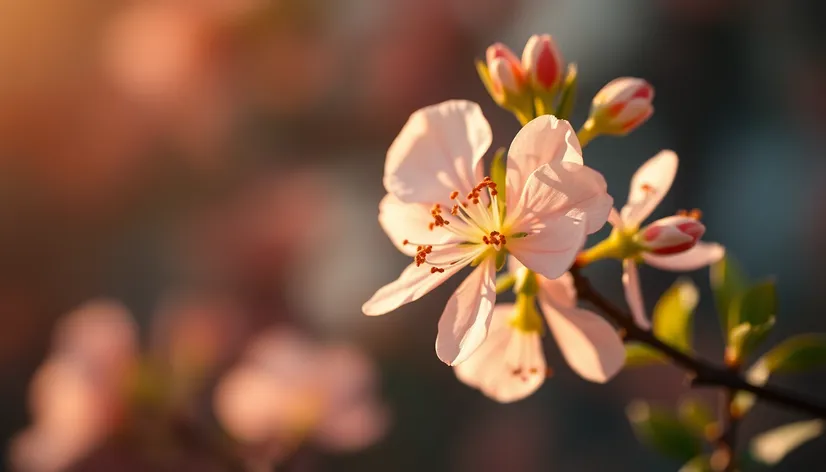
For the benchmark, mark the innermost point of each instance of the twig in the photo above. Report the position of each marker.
(703, 372)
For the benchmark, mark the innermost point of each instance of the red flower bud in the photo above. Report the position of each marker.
(622, 105)
(506, 72)
(671, 235)
(542, 62)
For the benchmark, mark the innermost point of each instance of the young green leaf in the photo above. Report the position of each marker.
(727, 281)
(796, 354)
(745, 338)
(772, 446)
(663, 431)
(696, 414)
(673, 314)
(639, 355)
(758, 303)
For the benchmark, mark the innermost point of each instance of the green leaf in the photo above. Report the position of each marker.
(757, 305)
(698, 464)
(568, 96)
(772, 446)
(796, 354)
(728, 282)
(498, 171)
(673, 314)
(638, 355)
(744, 339)
(663, 431)
(696, 415)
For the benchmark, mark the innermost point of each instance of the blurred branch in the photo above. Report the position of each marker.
(703, 372)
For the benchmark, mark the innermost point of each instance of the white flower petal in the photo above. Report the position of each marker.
(615, 219)
(543, 140)
(414, 282)
(439, 150)
(633, 293)
(701, 255)
(648, 187)
(464, 324)
(562, 188)
(552, 248)
(409, 221)
(509, 365)
(559, 292)
(590, 345)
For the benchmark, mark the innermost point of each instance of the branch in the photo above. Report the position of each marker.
(703, 373)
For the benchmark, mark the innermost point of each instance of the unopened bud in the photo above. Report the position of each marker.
(671, 235)
(542, 62)
(621, 106)
(506, 74)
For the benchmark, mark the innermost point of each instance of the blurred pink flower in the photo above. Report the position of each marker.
(435, 167)
(76, 397)
(648, 187)
(288, 389)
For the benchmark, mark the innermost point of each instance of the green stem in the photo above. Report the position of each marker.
(587, 132)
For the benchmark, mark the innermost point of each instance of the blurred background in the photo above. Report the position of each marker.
(222, 159)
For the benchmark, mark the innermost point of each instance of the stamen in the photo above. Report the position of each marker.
(647, 188)
(695, 214)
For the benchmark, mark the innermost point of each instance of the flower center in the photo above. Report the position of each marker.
(476, 222)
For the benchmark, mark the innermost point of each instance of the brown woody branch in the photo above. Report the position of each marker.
(703, 373)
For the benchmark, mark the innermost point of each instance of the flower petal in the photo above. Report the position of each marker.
(543, 140)
(615, 219)
(409, 221)
(550, 250)
(648, 187)
(464, 324)
(633, 293)
(509, 365)
(439, 150)
(559, 292)
(590, 345)
(414, 282)
(576, 191)
(701, 255)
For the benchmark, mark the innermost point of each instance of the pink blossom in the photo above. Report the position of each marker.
(441, 211)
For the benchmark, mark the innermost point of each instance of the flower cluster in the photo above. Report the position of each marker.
(535, 207)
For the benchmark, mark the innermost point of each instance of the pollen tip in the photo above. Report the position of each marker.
(454, 194)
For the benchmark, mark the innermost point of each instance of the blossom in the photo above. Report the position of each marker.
(673, 234)
(288, 389)
(510, 364)
(621, 106)
(444, 213)
(75, 396)
(506, 71)
(648, 187)
(542, 62)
